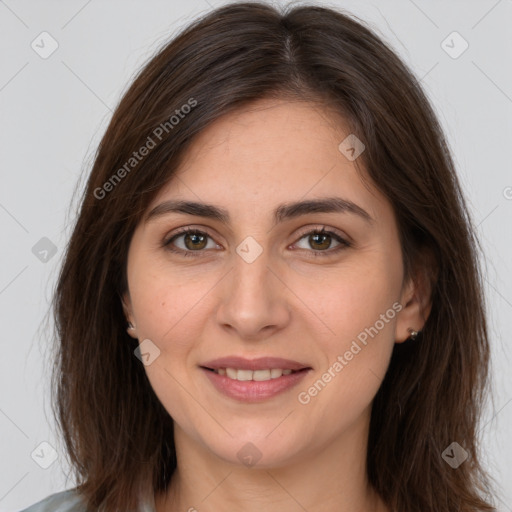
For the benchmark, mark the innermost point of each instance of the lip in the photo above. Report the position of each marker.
(251, 391)
(261, 363)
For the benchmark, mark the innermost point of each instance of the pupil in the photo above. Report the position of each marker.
(196, 238)
(317, 235)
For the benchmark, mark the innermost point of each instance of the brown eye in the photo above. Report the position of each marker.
(188, 241)
(194, 241)
(319, 242)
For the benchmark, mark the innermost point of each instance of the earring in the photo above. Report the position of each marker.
(414, 334)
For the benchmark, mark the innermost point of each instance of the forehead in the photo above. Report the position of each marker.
(267, 132)
(271, 152)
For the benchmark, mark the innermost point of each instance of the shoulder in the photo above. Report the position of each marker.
(72, 501)
(64, 501)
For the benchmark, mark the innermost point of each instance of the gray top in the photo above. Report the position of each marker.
(70, 501)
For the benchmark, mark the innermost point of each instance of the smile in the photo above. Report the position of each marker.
(258, 375)
(252, 386)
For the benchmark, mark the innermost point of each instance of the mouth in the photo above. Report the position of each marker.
(254, 380)
(256, 375)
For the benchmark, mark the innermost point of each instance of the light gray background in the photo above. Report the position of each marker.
(54, 111)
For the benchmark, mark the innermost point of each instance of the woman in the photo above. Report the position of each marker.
(271, 297)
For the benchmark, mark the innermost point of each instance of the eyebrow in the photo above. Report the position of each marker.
(282, 212)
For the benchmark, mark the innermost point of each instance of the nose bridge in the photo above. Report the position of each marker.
(251, 280)
(252, 297)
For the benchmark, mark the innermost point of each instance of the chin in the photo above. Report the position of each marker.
(261, 451)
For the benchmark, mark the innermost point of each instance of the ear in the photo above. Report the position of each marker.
(416, 298)
(128, 313)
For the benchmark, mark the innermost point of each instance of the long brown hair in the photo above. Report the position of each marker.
(118, 435)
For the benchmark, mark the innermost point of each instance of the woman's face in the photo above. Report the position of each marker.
(259, 285)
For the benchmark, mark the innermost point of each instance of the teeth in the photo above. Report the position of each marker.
(242, 374)
(276, 372)
(258, 375)
(262, 375)
(232, 374)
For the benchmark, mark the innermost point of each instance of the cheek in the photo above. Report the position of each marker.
(357, 357)
(168, 311)
(164, 301)
(358, 305)
(353, 298)
(169, 382)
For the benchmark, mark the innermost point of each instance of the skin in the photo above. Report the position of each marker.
(286, 303)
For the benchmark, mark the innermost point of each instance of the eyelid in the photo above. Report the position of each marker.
(343, 240)
(327, 229)
(183, 231)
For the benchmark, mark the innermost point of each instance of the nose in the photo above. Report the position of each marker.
(253, 302)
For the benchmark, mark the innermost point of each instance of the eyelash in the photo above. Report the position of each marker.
(344, 244)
